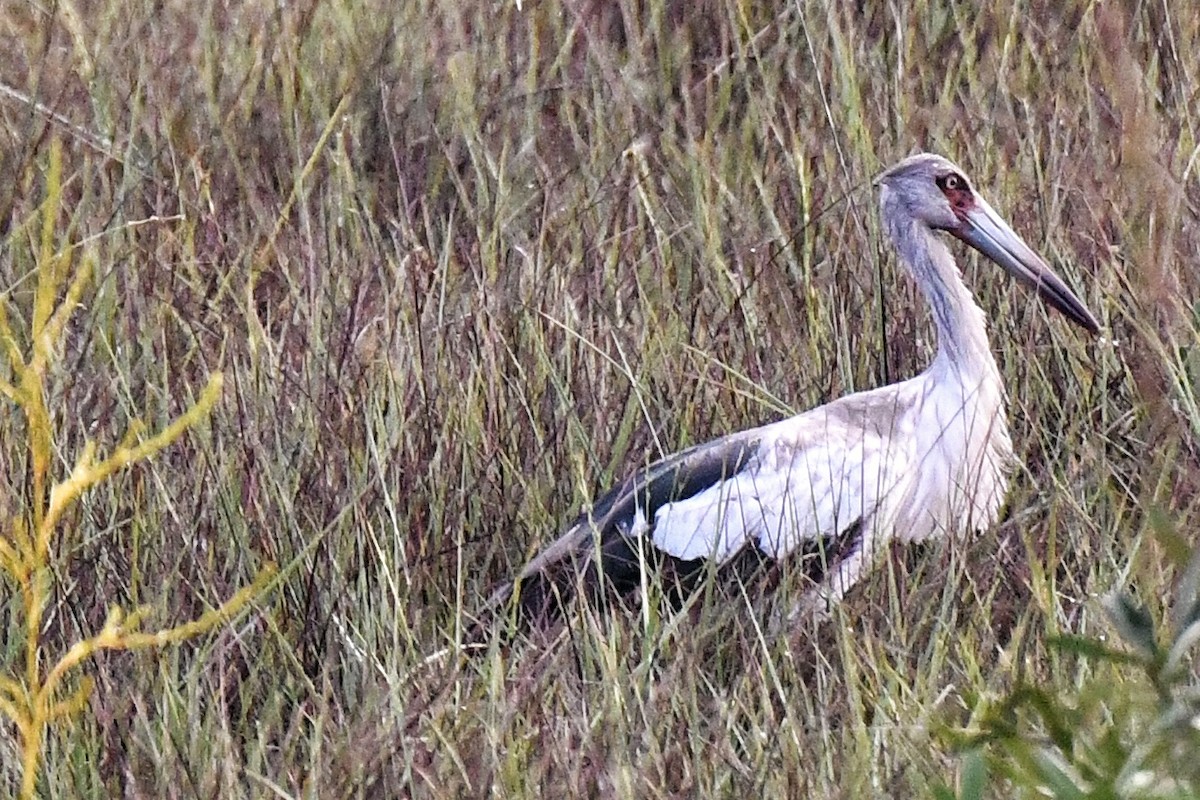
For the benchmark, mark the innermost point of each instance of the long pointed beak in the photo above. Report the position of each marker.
(988, 233)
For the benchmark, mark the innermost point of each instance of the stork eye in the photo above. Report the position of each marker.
(952, 182)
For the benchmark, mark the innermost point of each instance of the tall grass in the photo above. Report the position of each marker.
(464, 264)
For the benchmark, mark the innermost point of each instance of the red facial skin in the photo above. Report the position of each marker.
(958, 193)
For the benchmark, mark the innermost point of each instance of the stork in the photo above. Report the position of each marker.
(916, 460)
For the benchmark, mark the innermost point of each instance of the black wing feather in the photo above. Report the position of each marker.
(550, 579)
(675, 478)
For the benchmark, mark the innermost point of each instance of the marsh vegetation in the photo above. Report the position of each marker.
(462, 265)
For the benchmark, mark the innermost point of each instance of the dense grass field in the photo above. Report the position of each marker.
(464, 264)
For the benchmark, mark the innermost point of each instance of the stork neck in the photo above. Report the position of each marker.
(962, 330)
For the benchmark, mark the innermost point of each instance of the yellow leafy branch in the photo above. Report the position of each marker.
(8, 558)
(49, 263)
(120, 633)
(37, 699)
(87, 473)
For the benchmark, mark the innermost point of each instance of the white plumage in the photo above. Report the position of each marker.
(915, 460)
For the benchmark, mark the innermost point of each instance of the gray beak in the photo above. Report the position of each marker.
(988, 233)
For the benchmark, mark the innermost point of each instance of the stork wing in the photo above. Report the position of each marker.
(813, 483)
(819, 484)
(608, 529)
(676, 478)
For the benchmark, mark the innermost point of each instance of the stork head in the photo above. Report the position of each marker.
(931, 190)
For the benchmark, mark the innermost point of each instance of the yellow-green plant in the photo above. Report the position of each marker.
(43, 691)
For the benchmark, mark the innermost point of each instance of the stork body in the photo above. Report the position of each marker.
(918, 459)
